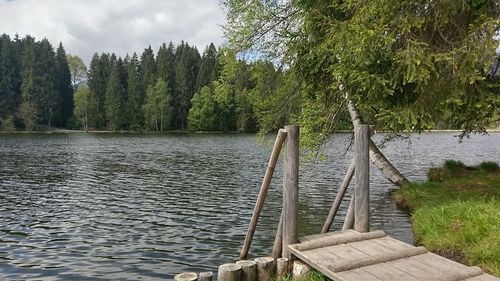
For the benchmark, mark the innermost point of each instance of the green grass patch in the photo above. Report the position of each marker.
(311, 276)
(458, 216)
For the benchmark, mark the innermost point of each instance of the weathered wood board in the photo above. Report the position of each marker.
(351, 255)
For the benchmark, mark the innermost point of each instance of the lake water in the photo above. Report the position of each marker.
(129, 207)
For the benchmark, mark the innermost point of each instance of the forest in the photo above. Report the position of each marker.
(175, 89)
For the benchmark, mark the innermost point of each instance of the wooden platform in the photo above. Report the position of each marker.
(350, 255)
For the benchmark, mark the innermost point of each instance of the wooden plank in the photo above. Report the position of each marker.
(323, 258)
(438, 262)
(341, 238)
(354, 275)
(373, 249)
(346, 253)
(362, 178)
(392, 244)
(370, 260)
(290, 190)
(416, 269)
(385, 271)
(483, 277)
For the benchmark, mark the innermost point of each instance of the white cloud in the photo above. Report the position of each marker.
(119, 26)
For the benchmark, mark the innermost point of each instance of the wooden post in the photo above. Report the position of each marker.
(280, 138)
(282, 266)
(229, 272)
(362, 178)
(205, 276)
(248, 270)
(278, 239)
(266, 268)
(290, 190)
(349, 217)
(338, 198)
(186, 276)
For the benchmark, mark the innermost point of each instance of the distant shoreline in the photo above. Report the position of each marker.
(66, 131)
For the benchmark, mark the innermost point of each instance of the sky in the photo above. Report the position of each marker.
(120, 26)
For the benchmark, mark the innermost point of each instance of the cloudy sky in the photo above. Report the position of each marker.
(119, 26)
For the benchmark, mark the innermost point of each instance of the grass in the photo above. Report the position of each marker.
(311, 276)
(457, 213)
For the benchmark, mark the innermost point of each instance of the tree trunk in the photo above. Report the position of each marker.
(376, 156)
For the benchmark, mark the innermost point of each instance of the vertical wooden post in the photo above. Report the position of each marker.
(282, 268)
(229, 272)
(290, 190)
(266, 268)
(280, 138)
(248, 270)
(362, 178)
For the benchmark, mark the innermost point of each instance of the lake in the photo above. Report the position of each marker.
(130, 206)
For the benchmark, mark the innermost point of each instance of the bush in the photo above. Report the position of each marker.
(488, 166)
(438, 174)
(453, 165)
(7, 124)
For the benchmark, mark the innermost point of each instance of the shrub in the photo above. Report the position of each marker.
(488, 166)
(454, 165)
(438, 174)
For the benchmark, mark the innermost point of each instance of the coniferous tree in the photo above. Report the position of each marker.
(135, 95)
(28, 60)
(207, 67)
(64, 85)
(50, 98)
(186, 69)
(97, 85)
(114, 95)
(9, 95)
(148, 68)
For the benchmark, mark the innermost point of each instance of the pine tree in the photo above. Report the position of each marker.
(187, 61)
(9, 95)
(148, 68)
(64, 85)
(50, 98)
(207, 67)
(114, 94)
(135, 95)
(97, 85)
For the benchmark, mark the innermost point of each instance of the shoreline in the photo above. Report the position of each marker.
(456, 213)
(67, 131)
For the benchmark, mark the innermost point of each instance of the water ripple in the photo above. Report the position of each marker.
(128, 207)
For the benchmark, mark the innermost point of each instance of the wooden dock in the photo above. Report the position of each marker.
(351, 255)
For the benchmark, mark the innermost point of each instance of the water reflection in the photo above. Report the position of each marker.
(101, 207)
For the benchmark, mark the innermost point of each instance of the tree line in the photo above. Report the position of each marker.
(176, 88)
(35, 84)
